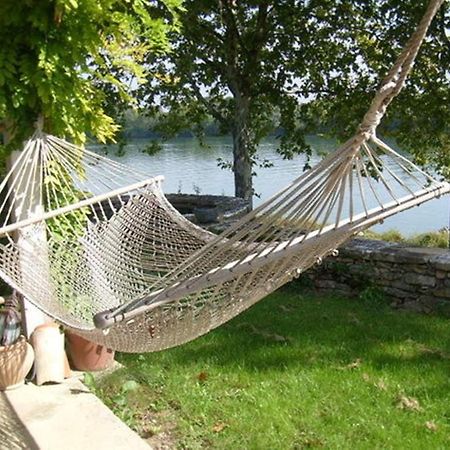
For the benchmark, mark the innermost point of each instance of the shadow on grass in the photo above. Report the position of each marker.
(289, 329)
(296, 371)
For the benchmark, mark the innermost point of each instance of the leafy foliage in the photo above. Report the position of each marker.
(65, 59)
(298, 66)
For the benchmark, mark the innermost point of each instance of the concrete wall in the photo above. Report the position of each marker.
(411, 277)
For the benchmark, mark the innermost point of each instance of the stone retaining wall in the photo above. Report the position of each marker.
(412, 277)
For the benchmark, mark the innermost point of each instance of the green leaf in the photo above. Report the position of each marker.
(89, 379)
(72, 61)
(130, 386)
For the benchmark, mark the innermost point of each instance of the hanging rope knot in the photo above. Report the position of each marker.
(371, 121)
(296, 273)
(387, 88)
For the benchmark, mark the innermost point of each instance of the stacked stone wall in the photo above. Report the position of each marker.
(412, 277)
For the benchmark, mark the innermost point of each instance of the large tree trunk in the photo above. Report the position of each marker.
(242, 164)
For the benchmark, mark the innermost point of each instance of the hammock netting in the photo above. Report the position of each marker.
(97, 246)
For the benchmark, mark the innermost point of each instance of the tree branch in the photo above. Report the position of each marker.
(230, 20)
(213, 111)
(211, 31)
(232, 37)
(258, 40)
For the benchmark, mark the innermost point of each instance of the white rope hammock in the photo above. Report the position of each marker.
(88, 240)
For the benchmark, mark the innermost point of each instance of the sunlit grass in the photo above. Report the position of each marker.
(296, 371)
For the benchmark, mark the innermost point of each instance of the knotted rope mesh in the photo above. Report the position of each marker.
(84, 237)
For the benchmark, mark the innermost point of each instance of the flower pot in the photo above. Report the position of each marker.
(48, 344)
(10, 322)
(15, 362)
(88, 356)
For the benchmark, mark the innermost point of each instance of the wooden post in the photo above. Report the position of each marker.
(31, 315)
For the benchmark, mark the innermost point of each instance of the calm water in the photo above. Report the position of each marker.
(190, 168)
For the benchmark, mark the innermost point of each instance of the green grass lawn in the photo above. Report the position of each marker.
(296, 371)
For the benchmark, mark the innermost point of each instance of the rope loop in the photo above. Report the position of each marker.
(396, 77)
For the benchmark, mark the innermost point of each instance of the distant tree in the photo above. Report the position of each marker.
(67, 60)
(246, 62)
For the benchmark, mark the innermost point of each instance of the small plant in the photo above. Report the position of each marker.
(119, 402)
(339, 269)
(89, 381)
(196, 188)
(372, 295)
(438, 239)
(433, 239)
(388, 236)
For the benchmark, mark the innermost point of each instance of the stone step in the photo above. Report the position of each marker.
(63, 416)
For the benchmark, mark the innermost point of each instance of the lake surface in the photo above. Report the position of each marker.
(191, 168)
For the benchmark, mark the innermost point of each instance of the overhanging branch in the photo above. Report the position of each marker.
(213, 111)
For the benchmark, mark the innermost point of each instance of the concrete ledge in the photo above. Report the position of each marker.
(65, 416)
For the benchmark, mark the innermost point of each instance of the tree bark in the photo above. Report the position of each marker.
(242, 164)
